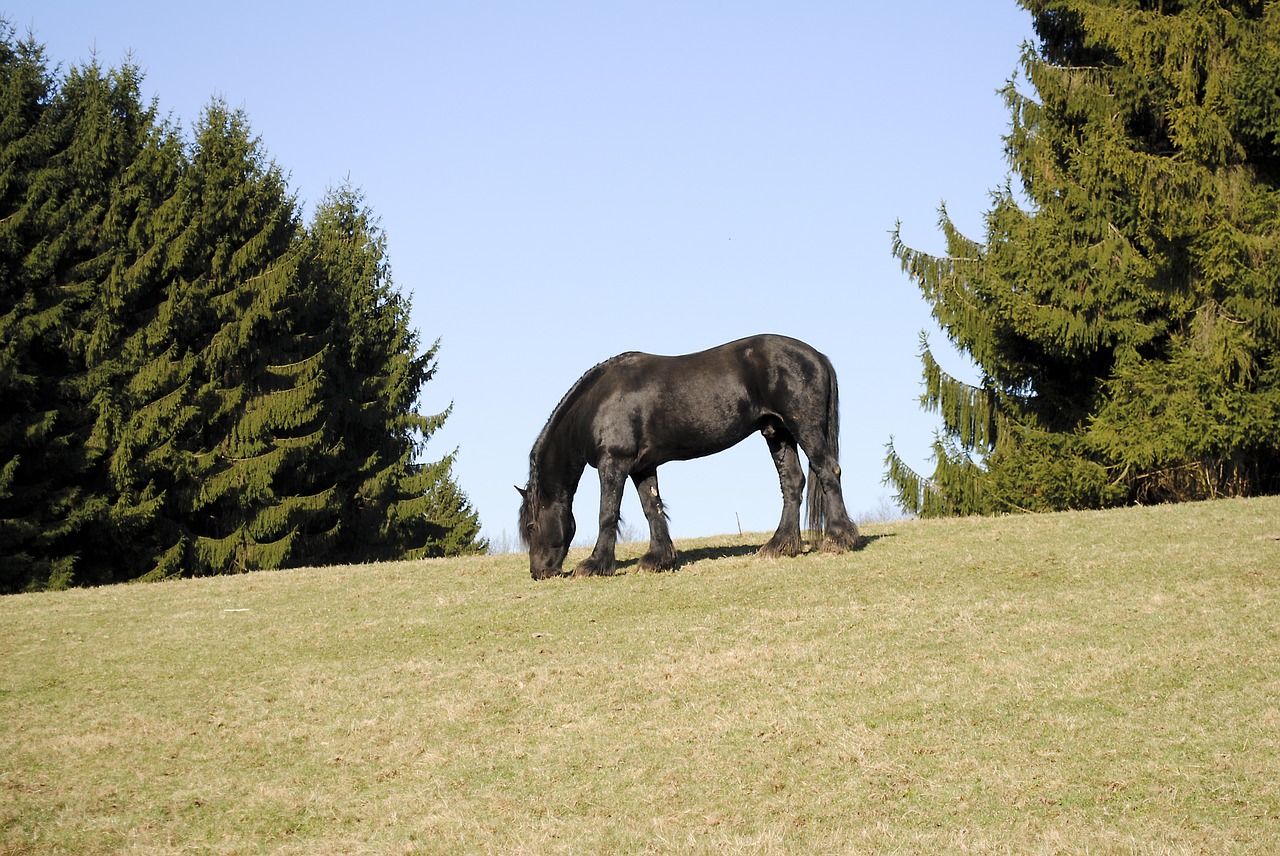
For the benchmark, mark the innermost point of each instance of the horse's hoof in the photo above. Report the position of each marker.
(840, 540)
(656, 563)
(782, 548)
(590, 568)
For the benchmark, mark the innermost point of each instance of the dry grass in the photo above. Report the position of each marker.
(1101, 683)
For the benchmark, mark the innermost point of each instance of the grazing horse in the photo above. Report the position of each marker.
(634, 412)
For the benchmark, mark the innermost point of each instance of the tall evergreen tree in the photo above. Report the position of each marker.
(190, 382)
(122, 350)
(1124, 308)
(59, 243)
(392, 504)
(228, 264)
(26, 87)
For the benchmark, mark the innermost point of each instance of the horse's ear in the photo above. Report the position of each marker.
(524, 494)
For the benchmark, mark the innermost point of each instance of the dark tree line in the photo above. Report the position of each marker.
(193, 381)
(1124, 305)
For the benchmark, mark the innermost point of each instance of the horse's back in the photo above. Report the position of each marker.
(763, 368)
(766, 345)
(763, 349)
(676, 407)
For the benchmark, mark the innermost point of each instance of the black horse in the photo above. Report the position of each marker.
(634, 412)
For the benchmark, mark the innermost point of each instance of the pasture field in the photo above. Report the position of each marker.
(1070, 683)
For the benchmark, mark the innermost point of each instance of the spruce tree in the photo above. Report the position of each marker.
(391, 504)
(196, 440)
(121, 351)
(26, 420)
(190, 381)
(1124, 305)
(70, 163)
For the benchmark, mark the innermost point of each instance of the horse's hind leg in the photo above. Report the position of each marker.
(782, 446)
(662, 553)
(838, 533)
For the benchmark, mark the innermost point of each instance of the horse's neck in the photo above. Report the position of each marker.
(560, 470)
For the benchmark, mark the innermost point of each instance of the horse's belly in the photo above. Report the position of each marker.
(683, 442)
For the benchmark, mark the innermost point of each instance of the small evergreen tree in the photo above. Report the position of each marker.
(1126, 317)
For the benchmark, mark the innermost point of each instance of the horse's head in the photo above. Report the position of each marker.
(546, 528)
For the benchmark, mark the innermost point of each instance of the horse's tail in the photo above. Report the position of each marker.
(817, 498)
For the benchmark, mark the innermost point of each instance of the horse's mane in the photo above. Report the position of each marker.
(570, 398)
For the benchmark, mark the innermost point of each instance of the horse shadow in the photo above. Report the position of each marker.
(734, 551)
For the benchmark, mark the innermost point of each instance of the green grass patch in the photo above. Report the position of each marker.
(1083, 682)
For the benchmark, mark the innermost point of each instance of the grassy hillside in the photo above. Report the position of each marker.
(1088, 682)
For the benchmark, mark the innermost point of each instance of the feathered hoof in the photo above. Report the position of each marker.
(785, 547)
(840, 539)
(658, 562)
(590, 567)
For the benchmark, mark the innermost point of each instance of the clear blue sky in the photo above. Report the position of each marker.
(563, 181)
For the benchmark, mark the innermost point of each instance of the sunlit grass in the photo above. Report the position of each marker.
(1068, 683)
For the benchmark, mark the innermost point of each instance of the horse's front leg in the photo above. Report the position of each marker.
(613, 478)
(662, 553)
